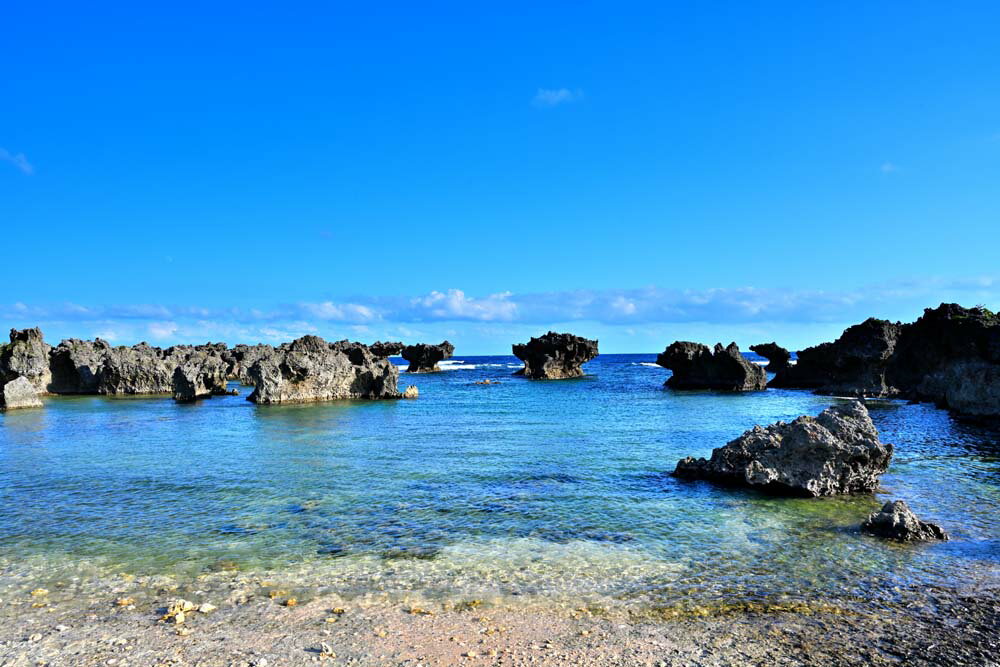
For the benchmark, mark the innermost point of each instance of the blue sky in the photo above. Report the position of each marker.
(635, 172)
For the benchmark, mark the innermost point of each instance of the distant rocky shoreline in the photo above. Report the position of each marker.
(949, 356)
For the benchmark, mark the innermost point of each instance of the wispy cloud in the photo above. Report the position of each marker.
(888, 168)
(18, 160)
(551, 97)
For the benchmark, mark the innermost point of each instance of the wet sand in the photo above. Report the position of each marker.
(119, 621)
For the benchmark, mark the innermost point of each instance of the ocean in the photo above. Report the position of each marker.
(549, 493)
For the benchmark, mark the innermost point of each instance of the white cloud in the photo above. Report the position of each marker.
(18, 160)
(551, 97)
(454, 305)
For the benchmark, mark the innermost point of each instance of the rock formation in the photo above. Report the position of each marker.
(896, 521)
(424, 357)
(695, 366)
(777, 356)
(837, 452)
(853, 365)
(19, 393)
(135, 370)
(27, 356)
(381, 349)
(554, 356)
(242, 357)
(201, 375)
(311, 369)
(950, 356)
(76, 365)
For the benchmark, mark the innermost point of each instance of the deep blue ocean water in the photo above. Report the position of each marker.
(521, 488)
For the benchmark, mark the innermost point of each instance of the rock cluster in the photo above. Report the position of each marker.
(950, 356)
(837, 452)
(777, 356)
(424, 357)
(695, 366)
(311, 369)
(852, 365)
(555, 356)
(896, 521)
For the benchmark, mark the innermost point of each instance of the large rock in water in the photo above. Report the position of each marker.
(896, 521)
(554, 356)
(837, 452)
(777, 356)
(76, 365)
(424, 357)
(695, 366)
(951, 356)
(853, 365)
(27, 356)
(311, 369)
(19, 393)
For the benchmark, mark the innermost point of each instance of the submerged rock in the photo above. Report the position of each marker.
(837, 452)
(950, 356)
(200, 376)
(26, 356)
(311, 369)
(554, 356)
(19, 393)
(76, 365)
(695, 366)
(777, 356)
(424, 357)
(853, 365)
(897, 521)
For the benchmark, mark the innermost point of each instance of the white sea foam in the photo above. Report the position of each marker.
(645, 363)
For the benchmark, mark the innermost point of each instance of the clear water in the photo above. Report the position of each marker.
(554, 490)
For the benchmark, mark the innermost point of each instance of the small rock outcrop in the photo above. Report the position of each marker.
(837, 452)
(26, 356)
(19, 393)
(200, 376)
(76, 365)
(554, 356)
(896, 521)
(853, 365)
(424, 357)
(950, 356)
(411, 392)
(311, 369)
(777, 356)
(695, 366)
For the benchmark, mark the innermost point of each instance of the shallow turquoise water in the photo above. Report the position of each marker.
(521, 488)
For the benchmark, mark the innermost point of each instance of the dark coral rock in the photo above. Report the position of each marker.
(424, 357)
(777, 356)
(896, 521)
(696, 366)
(554, 356)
